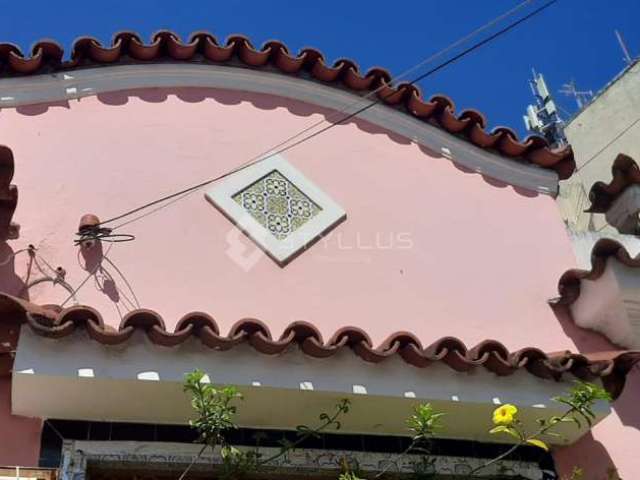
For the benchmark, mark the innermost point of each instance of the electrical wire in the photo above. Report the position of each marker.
(101, 233)
(54, 430)
(393, 80)
(126, 282)
(609, 143)
(86, 279)
(253, 161)
(13, 255)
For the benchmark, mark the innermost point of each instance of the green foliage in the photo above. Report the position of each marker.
(348, 476)
(424, 422)
(581, 399)
(514, 432)
(304, 432)
(349, 471)
(235, 462)
(215, 412)
(215, 418)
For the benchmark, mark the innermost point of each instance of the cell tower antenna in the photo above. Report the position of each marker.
(581, 97)
(542, 117)
(623, 46)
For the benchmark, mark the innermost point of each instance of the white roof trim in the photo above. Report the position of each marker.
(272, 385)
(91, 81)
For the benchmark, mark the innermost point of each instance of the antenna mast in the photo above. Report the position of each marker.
(542, 117)
(623, 46)
(581, 97)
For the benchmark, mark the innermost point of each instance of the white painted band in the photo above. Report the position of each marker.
(79, 83)
(280, 391)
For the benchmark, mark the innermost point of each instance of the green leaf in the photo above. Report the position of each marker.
(505, 429)
(573, 419)
(538, 443)
(424, 422)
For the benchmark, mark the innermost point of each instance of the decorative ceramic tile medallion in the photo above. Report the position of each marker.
(277, 206)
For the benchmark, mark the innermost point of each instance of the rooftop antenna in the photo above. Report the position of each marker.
(581, 97)
(623, 46)
(542, 117)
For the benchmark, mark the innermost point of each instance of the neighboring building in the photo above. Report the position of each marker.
(407, 255)
(606, 127)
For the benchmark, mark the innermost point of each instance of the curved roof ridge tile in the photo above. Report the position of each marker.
(625, 172)
(492, 355)
(47, 56)
(8, 193)
(569, 283)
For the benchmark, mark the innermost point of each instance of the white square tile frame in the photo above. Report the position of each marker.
(281, 251)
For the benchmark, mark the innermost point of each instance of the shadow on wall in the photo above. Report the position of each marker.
(98, 265)
(24, 446)
(10, 282)
(37, 272)
(263, 102)
(589, 453)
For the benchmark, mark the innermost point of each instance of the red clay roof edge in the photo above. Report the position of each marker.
(202, 47)
(8, 193)
(48, 321)
(603, 250)
(625, 173)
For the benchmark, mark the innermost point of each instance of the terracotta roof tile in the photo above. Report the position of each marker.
(610, 367)
(624, 172)
(202, 47)
(8, 193)
(604, 249)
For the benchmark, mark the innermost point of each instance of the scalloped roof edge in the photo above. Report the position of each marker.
(53, 322)
(569, 284)
(202, 47)
(625, 173)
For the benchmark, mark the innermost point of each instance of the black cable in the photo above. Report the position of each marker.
(102, 233)
(340, 121)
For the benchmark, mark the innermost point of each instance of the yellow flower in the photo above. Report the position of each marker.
(505, 414)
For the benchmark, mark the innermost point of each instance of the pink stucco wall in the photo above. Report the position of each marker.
(19, 436)
(481, 259)
(612, 445)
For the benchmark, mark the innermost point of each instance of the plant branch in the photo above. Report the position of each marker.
(193, 462)
(309, 433)
(400, 457)
(524, 441)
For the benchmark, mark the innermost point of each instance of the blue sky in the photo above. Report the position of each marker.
(574, 39)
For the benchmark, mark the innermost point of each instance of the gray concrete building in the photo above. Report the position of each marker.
(607, 126)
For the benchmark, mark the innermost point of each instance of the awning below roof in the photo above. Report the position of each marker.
(71, 365)
(75, 378)
(48, 321)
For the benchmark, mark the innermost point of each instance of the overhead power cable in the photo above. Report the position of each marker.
(285, 145)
